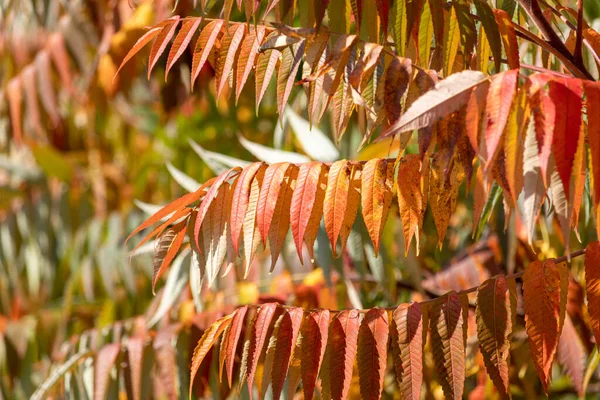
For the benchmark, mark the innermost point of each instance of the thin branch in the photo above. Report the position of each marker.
(577, 54)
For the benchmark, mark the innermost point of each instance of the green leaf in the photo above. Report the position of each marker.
(495, 195)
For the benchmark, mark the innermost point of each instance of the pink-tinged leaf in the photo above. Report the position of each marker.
(241, 197)
(60, 58)
(105, 361)
(533, 187)
(407, 345)
(343, 335)
(572, 355)
(304, 210)
(372, 352)
(314, 336)
(33, 110)
(397, 79)
(251, 233)
(265, 66)
(287, 334)
(369, 58)
(181, 42)
(566, 94)
(544, 114)
(248, 53)
(258, 334)
(166, 361)
(280, 221)
(15, 98)
(165, 250)
(135, 354)
(143, 41)
(228, 52)
(286, 74)
(204, 45)
(47, 95)
(499, 100)
(210, 196)
(230, 343)
(205, 344)
(162, 40)
(269, 194)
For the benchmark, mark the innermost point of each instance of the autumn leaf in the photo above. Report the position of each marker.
(448, 343)
(204, 44)
(494, 329)
(286, 340)
(411, 200)
(407, 345)
(343, 335)
(397, 79)
(545, 297)
(376, 196)
(592, 285)
(181, 42)
(105, 360)
(229, 343)
(314, 334)
(372, 352)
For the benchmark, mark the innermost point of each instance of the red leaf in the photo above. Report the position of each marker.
(407, 344)
(372, 352)
(230, 342)
(160, 44)
(566, 95)
(592, 285)
(343, 336)
(181, 42)
(286, 340)
(269, 193)
(141, 42)
(314, 335)
(258, 334)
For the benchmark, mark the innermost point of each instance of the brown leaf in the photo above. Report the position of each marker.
(372, 352)
(407, 344)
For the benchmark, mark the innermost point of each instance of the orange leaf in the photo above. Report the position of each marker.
(341, 202)
(286, 340)
(314, 335)
(372, 352)
(376, 196)
(258, 334)
(204, 45)
(181, 42)
(411, 201)
(509, 38)
(265, 66)
(141, 42)
(241, 197)
(227, 53)
(205, 343)
(251, 234)
(280, 221)
(544, 114)
(342, 343)
(269, 193)
(291, 58)
(167, 247)
(499, 100)
(304, 209)
(592, 285)
(448, 343)
(160, 44)
(248, 53)
(407, 344)
(494, 329)
(230, 343)
(545, 296)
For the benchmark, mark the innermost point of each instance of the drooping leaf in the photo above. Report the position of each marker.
(342, 198)
(407, 344)
(291, 58)
(592, 285)
(448, 96)
(162, 40)
(451, 41)
(509, 38)
(258, 334)
(571, 354)
(251, 233)
(135, 354)
(141, 42)
(105, 360)
(567, 97)
(343, 335)
(265, 66)
(306, 209)
(448, 343)
(166, 248)
(372, 352)
(215, 233)
(247, 57)
(377, 182)
(204, 45)
(492, 32)
(287, 334)
(411, 200)
(230, 45)
(205, 344)
(15, 98)
(181, 42)
(314, 334)
(230, 342)
(545, 296)
(494, 329)
(544, 114)
(443, 191)
(397, 79)
(499, 100)
(534, 190)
